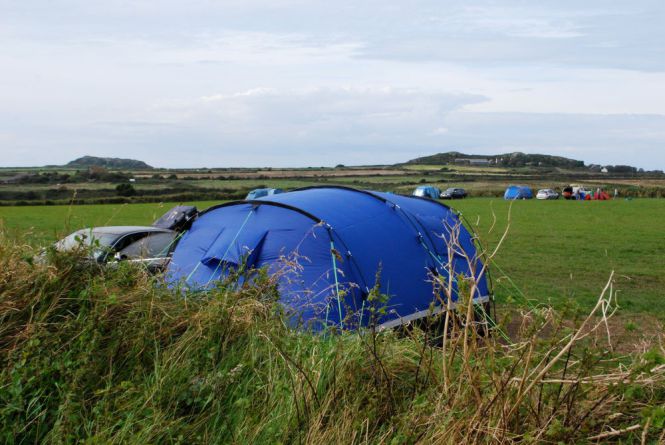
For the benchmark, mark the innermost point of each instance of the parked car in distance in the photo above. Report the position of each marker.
(454, 193)
(547, 194)
(260, 193)
(427, 191)
(150, 246)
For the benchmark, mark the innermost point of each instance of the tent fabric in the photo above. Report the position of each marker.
(518, 192)
(260, 193)
(427, 191)
(328, 246)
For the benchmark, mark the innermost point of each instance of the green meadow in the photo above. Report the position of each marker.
(556, 252)
(42, 224)
(563, 252)
(103, 355)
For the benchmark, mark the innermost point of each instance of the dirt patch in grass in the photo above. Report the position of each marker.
(635, 332)
(629, 333)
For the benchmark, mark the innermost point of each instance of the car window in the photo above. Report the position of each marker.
(154, 245)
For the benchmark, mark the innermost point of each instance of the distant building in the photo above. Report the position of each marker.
(604, 170)
(470, 161)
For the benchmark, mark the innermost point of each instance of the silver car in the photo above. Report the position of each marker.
(151, 246)
(547, 194)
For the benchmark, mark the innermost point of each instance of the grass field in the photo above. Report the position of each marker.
(103, 355)
(42, 224)
(556, 251)
(563, 251)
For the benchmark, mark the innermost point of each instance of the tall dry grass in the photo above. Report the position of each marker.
(108, 355)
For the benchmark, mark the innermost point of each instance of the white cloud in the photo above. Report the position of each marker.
(440, 130)
(320, 118)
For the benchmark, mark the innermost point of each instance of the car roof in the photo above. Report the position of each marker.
(121, 230)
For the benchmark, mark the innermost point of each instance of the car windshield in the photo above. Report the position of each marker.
(450, 190)
(156, 245)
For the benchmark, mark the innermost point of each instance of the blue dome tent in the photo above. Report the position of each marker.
(518, 192)
(427, 191)
(327, 246)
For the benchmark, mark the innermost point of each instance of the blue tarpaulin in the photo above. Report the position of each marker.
(327, 246)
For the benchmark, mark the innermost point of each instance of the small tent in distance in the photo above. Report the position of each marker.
(427, 191)
(518, 192)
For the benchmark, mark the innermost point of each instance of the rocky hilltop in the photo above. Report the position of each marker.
(89, 161)
(516, 159)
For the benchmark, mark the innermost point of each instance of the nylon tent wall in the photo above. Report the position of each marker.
(427, 191)
(326, 245)
(518, 192)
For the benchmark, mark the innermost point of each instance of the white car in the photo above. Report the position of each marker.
(547, 194)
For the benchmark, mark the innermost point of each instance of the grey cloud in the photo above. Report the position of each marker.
(344, 81)
(620, 35)
(594, 33)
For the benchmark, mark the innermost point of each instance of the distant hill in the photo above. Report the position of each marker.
(516, 159)
(89, 161)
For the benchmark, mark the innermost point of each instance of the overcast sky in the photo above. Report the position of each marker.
(306, 83)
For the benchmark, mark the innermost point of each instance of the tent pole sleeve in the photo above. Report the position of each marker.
(334, 263)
